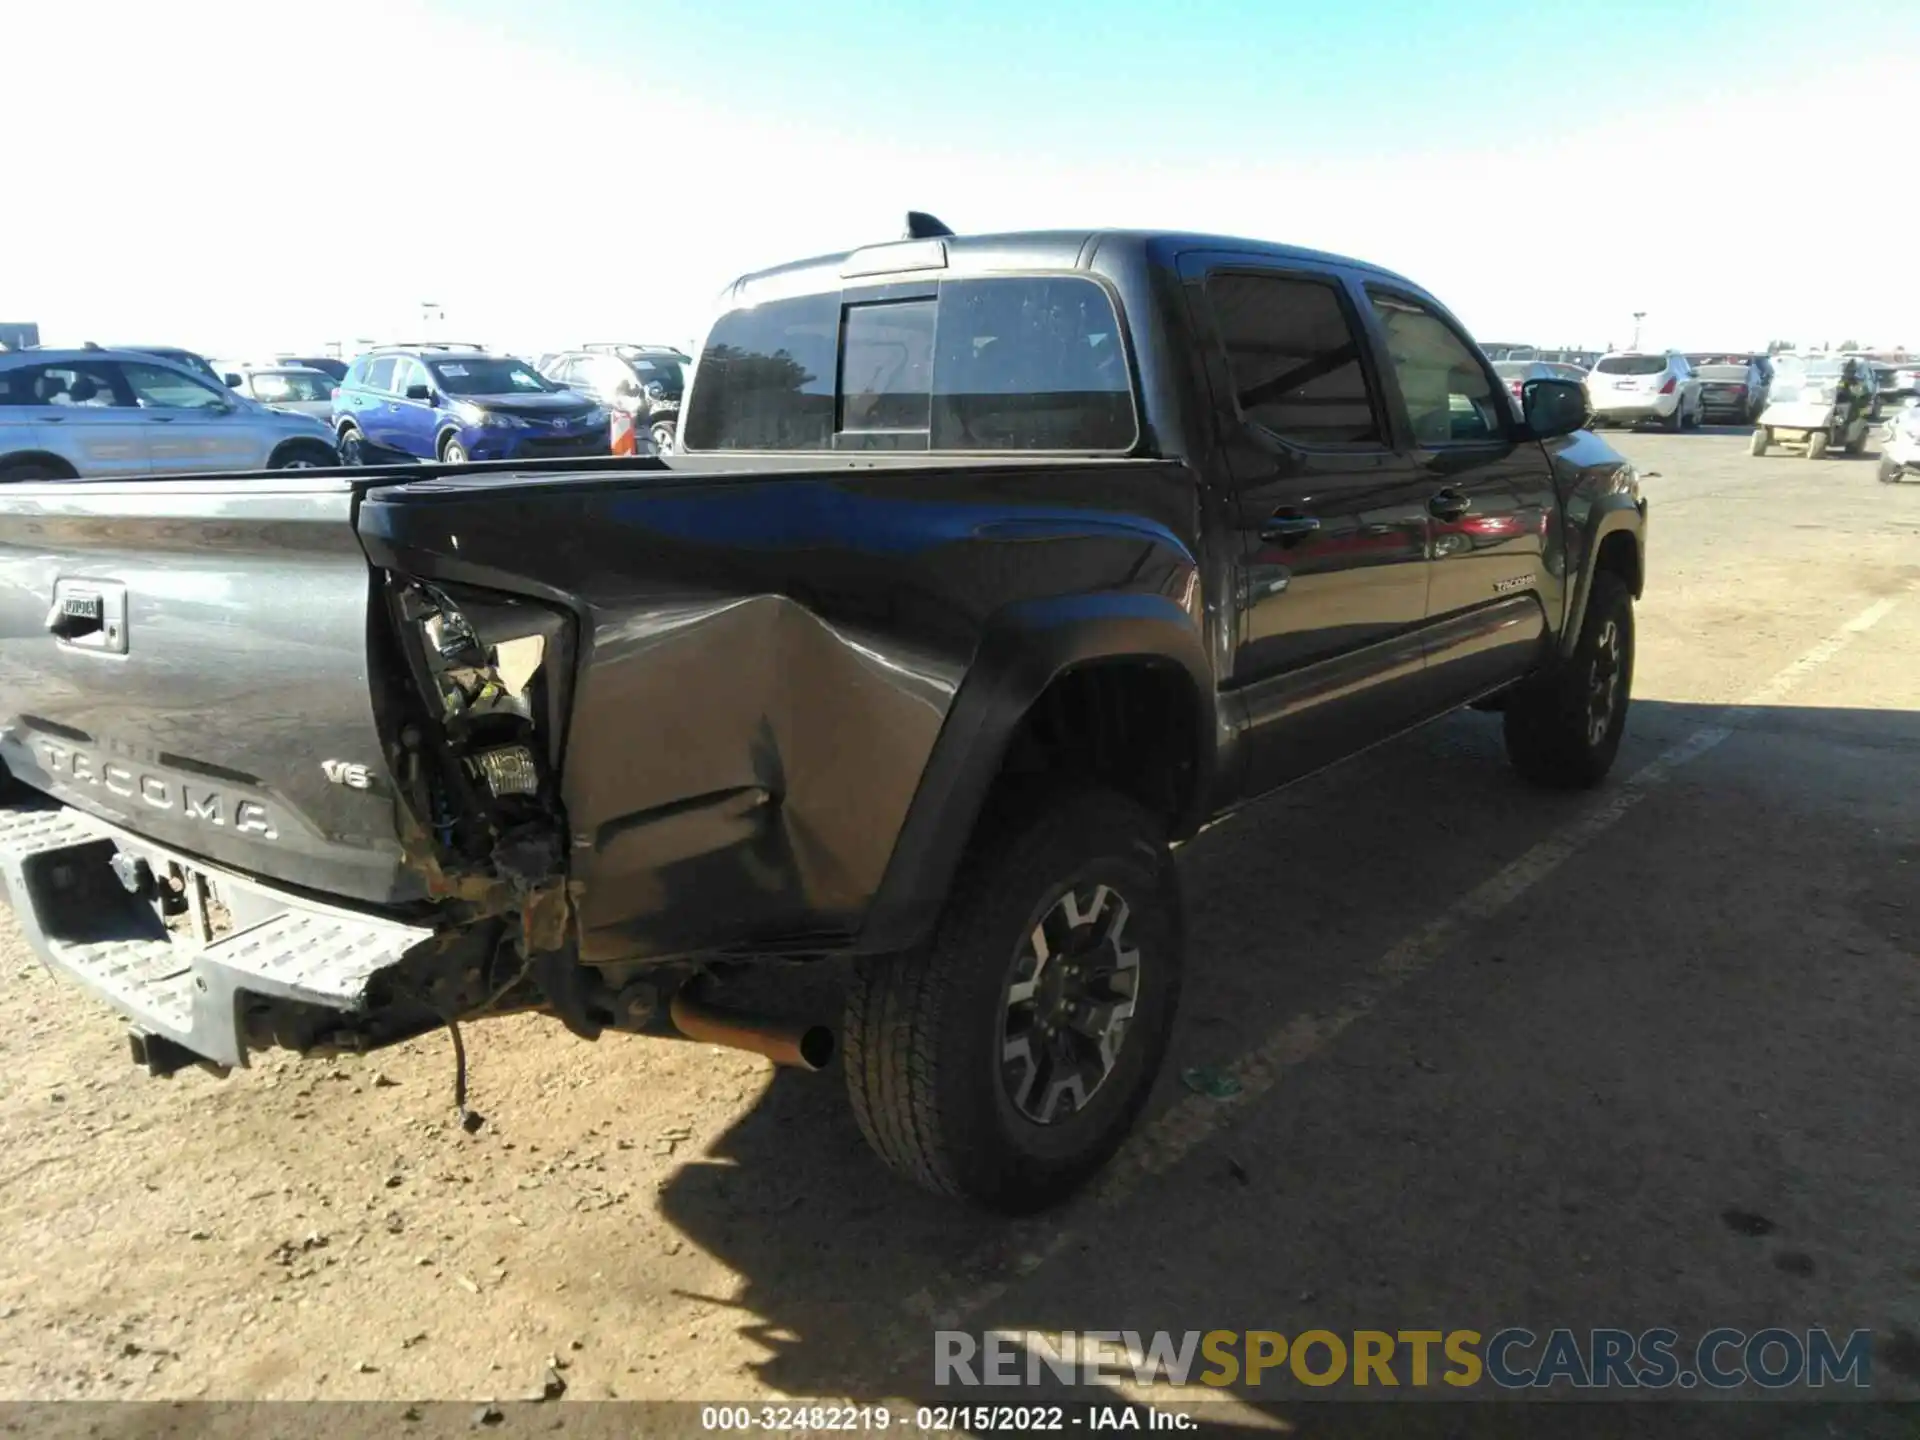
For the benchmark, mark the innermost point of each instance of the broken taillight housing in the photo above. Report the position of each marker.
(508, 770)
(493, 673)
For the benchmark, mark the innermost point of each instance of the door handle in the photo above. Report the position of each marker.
(1284, 526)
(161, 419)
(1449, 505)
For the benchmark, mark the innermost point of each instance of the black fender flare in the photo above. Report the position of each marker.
(1024, 648)
(1609, 515)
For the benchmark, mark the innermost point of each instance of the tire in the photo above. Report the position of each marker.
(1889, 472)
(353, 449)
(1677, 421)
(1758, 444)
(1855, 444)
(1816, 444)
(922, 1029)
(32, 470)
(662, 432)
(453, 452)
(1557, 733)
(303, 455)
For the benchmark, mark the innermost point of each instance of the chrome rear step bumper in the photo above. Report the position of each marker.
(182, 994)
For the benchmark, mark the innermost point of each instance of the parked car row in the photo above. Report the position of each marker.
(453, 402)
(120, 414)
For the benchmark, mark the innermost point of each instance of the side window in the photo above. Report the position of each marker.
(160, 389)
(408, 372)
(1449, 397)
(886, 366)
(1294, 359)
(88, 384)
(380, 373)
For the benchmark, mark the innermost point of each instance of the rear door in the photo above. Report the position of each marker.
(81, 411)
(1332, 585)
(1488, 492)
(373, 404)
(415, 422)
(191, 425)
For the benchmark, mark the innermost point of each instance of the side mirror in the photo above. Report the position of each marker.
(1553, 407)
(233, 382)
(419, 392)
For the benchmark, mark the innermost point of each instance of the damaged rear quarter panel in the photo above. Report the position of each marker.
(766, 659)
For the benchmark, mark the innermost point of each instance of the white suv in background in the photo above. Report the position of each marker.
(1626, 388)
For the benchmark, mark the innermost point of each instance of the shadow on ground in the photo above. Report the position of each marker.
(1706, 1011)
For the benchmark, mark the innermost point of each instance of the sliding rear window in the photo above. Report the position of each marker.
(1026, 363)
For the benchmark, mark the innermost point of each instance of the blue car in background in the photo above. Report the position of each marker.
(427, 402)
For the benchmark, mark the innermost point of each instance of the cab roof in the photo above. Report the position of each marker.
(1012, 250)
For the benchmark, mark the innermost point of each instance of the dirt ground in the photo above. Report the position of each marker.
(1506, 1058)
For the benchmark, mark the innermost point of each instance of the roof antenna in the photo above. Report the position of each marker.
(922, 226)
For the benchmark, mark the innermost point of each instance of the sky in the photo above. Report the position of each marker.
(241, 176)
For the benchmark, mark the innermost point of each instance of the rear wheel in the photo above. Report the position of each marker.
(662, 434)
(1816, 444)
(353, 449)
(1758, 444)
(1889, 472)
(1563, 728)
(1006, 1060)
(32, 470)
(1677, 421)
(304, 455)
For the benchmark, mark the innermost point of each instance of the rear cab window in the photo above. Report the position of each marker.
(991, 363)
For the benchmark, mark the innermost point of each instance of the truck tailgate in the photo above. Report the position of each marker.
(182, 658)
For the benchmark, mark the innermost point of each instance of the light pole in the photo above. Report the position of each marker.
(1638, 316)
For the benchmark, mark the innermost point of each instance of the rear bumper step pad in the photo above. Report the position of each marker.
(56, 865)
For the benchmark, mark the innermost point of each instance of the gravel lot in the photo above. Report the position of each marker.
(1508, 1058)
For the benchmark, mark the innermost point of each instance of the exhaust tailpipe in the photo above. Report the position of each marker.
(806, 1047)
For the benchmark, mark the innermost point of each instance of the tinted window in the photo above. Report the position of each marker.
(886, 366)
(380, 373)
(1030, 364)
(1292, 358)
(766, 378)
(662, 370)
(157, 387)
(86, 383)
(1633, 365)
(1016, 364)
(278, 386)
(1449, 395)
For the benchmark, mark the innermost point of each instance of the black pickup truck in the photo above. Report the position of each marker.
(991, 567)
